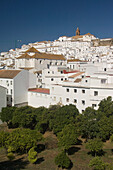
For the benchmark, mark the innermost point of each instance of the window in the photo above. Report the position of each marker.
(67, 90)
(11, 99)
(11, 82)
(83, 102)
(40, 61)
(61, 79)
(94, 105)
(61, 72)
(75, 90)
(103, 81)
(83, 91)
(67, 99)
(7, 99)
(95, 93)
(7, 91)
(52, 79)
(48, 72)
(65, 78)
(86, 81)
(52, 72)
(11, 91)
(75, 100)
(105, 69)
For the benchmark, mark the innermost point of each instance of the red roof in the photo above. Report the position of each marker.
(40, 90)
(66, 72)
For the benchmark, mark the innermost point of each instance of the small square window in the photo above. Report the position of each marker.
(75, 90)
(75, 100)
(95, 93)
(103, 81)
(83, 102)
(61, 79)
(52, 79)
(67, 90)
(83, 91)
(67, 99)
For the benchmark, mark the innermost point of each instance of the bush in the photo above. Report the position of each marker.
(32, 155)
(97, 164)
(62, 160)
(11, 156)
(95, 145)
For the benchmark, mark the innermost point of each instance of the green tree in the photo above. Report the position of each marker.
(95, 145)
(24, 117)
(23, 139)
(97, 164)
(32, 155)
(6, 114)
(62, 116)
(3, 138)
(106, 107)
(67, 137)
(105, 127)
(62, 160)
(88, 124)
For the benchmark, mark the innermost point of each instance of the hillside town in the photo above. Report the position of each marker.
(70, 70)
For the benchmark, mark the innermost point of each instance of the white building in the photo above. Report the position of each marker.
(3, 102)
(78, 88)
(17, 83)
(37, 61)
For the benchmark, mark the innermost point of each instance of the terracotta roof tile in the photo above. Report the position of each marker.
(9, 73)
(32, 49)
(75, 75)
(77, 80)
(39, 55)
(40, 90)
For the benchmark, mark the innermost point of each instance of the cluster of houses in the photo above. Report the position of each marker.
(71, 70)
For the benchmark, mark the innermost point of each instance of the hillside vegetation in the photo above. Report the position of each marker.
(57, 137)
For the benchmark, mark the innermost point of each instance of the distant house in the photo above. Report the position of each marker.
(36, 60)
(17, 83)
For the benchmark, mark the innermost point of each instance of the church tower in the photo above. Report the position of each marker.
(77, 31)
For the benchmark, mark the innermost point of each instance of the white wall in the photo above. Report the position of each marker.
(3, 102)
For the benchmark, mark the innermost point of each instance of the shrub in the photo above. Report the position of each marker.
(62, 160)
(32, 155)
(11, 156)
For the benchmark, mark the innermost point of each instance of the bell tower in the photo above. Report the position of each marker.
(77, 31)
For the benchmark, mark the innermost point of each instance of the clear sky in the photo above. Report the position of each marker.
(38, 20)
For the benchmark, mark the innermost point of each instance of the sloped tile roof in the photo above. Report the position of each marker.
(9, 73)
(40, 90)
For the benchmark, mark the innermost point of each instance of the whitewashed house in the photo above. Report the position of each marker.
(80, 89)
(17, 83)
(35, 60)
